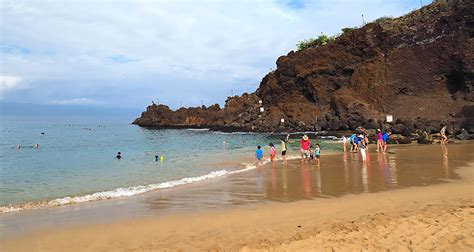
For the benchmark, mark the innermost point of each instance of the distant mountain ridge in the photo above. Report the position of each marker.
(418, 68)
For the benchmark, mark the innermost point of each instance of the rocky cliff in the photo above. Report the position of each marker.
(418, 68)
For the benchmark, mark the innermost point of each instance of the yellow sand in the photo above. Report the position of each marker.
(437, 217)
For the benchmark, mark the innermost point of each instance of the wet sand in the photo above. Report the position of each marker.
(432, 209)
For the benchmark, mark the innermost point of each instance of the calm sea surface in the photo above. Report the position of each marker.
(76, 159)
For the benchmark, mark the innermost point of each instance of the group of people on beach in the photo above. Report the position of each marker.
(358, 143)
(308, 151)
(361, 142)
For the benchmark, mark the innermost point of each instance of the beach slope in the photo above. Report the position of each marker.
(434, 217)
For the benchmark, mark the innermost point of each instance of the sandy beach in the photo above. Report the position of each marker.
(438, 216)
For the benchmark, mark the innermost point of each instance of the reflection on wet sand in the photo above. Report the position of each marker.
(338, 174)
(347, 173)
(444, 150)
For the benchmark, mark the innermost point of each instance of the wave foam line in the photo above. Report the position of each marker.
(116, 193)
(130, 191)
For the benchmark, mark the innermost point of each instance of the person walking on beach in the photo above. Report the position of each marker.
(317, 153)
(366, 139)
(344, 143)
(272, 152)
(362, 146)
(444, 138)
(355, 143)
(351, 141)
(379, 140)
(283, 149)
(304, 147)
(385, 141)
(259, 155)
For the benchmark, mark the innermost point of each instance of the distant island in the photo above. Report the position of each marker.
(416, 69)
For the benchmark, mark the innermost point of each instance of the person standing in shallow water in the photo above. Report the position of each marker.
(344, 143)
(366, 139)
(317, 153)
(272, 152)
(259, 155)
(304, 147)
(362, 147)
(444, 138)
(284, 149)
(356, 143)
(385, 141)
(379, 140)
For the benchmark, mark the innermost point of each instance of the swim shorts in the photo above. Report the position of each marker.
(305, 152)
(283, 153)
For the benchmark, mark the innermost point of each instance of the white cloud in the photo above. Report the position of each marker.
(101, 44)
(9, 83)
(75, 101)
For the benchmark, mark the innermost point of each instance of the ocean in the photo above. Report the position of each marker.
(75, 161)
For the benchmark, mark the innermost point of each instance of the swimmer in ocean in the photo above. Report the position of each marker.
(119, 155)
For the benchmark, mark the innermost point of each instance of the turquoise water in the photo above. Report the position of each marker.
(76, 158)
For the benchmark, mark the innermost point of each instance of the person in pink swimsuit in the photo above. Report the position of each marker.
(379, 140)
(272, 152)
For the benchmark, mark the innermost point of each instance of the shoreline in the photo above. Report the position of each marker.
(133, 191)
(398, 219)
(341, 176)
(123, 193)
(245, 164)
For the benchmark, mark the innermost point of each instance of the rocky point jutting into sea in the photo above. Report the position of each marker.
(417, 68)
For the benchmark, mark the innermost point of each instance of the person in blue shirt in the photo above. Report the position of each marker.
(385, 141)
(355, 142)
(259, 154)
(351, 141)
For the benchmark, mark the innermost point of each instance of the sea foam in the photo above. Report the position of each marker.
(133, 190)
(116, 193)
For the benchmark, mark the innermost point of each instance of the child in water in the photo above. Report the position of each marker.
(272, 151)
(259, 154)
(311, 152)
(317, 153)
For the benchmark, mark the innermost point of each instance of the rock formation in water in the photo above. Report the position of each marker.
(418, 68)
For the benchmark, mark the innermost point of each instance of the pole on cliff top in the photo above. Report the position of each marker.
(363, 20)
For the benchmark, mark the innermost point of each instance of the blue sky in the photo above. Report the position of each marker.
(127, 53)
